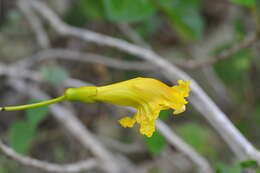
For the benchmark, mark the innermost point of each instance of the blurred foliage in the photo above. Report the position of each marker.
(257, 113)
(249, 164)
(184, 16)
(128, 10)
(155, 171)
(223, 168)
(164, 114)
(54, 74)
(156, 143)
(198, 137)
(22, 132)
(234, 71)
(247, 3)
(92, 9)
(21, 135)
(36, 115)
(7, 166)
(239, 63)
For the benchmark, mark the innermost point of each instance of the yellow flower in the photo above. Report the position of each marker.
(147, 95)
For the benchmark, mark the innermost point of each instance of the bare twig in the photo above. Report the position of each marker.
(19, 71)
(72, 55)
(201, 51)
(121, 147)
(176, 141)
(235, 140)
(249, 41)
(35, 23)
(27, 161)
(132, 35)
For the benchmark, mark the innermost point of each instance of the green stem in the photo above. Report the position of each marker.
(34, 105)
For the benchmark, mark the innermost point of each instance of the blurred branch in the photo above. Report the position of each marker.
(249, 41)
(224, 33)
(46, 166)
(235, 140)
(19, 71)
(176, 141)
(201, 51)
(121, 147)
(72, 55)
(132, 35)
(35, 23)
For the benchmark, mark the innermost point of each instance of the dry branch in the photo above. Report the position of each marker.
(249, 41)
(72, 55)
(46, 166)
(183, 147)
(35, 24)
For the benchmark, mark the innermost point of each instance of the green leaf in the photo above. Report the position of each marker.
(247, 3)
(147, 28)
(128, 10)
(21, 135)
(54, 74)
(75, 15)
(223, 168)
(249, 163)
(92, 9)
(60, 153)
(185, 17)
(197, 136)
(234, 68)
(156, 143)
(3, 170)
(13, 17)
(36, 115)
(257, 113)
(164, 114)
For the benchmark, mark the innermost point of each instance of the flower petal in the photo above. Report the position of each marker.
(183, 88)
(178, 111)
(147, 128)
(127, 122)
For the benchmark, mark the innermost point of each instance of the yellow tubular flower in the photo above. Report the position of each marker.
(147, 95)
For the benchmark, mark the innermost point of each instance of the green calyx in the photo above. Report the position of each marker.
(82, 94)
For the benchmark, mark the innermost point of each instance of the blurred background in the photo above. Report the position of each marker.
(214, 41)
